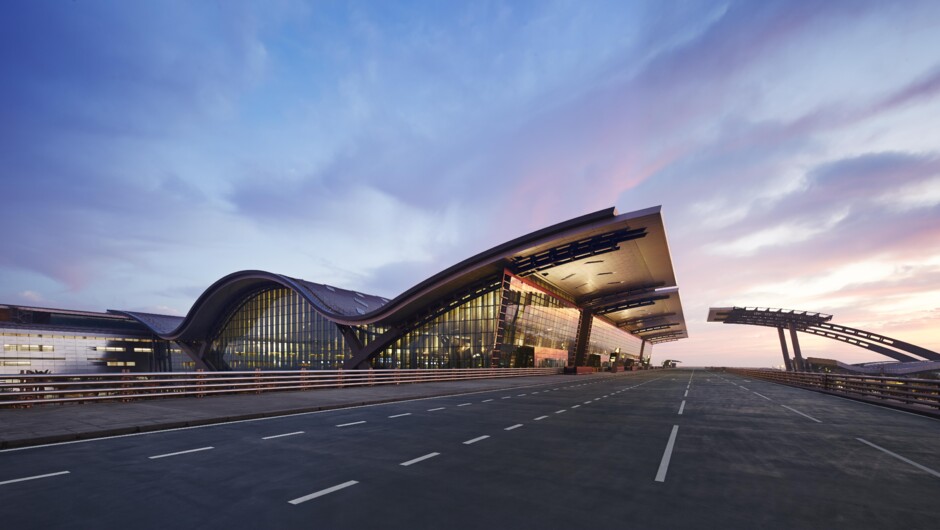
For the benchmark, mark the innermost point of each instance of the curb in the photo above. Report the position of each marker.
(21, 443)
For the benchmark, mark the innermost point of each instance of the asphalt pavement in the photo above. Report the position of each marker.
(659, 449)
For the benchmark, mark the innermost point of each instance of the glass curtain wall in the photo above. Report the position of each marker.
(460, 338)
(78, 352)
(610, 344)
(278, 330)
(540, 329)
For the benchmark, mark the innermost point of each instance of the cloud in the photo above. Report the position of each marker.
(368, 146)
(31, 297)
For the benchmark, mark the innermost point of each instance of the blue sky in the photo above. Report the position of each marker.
(149, 148)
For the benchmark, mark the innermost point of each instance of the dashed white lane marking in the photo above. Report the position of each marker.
(560, 411)
(536, 392)
(762, 395)
(681, 407)
(554, 389)
(597, 399)
(519, 395)
(588, 402)
(540, 418)
(438, 408)
(465, 404)
(899, 457)
(800, 413)
(282, 435)
(321, 493)
(250, 420)
(24, 479)
(744, 388)
(351, 423)
(686, 393)
(667, 455)
(511, 427)
(506, 397)
(487, 400)
(419, 459)
(575, 406)
(477, 439)
(181, 452)
(400, 415)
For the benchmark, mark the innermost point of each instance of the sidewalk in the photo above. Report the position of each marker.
(61, 423)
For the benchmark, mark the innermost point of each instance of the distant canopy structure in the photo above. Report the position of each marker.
(818, 324)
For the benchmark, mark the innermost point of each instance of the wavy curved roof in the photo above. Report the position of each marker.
(602, 260)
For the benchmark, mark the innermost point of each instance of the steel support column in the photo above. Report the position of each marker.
(786, 354)
(495, 355)
(196, 351)
(360, 360)
(797, 356)
(584, 337)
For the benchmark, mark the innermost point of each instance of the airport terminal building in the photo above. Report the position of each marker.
(598, 290)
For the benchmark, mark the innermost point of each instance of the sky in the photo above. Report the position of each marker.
(149, 148)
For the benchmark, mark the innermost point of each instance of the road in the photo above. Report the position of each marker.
(659, 449)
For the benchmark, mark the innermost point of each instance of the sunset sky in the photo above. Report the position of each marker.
(149, 148)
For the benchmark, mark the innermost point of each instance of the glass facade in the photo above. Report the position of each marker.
(75, 352)
(463, 337)
(609, 343)
(540, 329)
(278, 330)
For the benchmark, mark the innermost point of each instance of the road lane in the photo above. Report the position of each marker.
(732, 450)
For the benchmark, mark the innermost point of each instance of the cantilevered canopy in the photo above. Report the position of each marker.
(819, 324)
(623, 272)
(767, 316)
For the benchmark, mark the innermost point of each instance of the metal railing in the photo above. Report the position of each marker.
(922, 395)
(27, 390)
